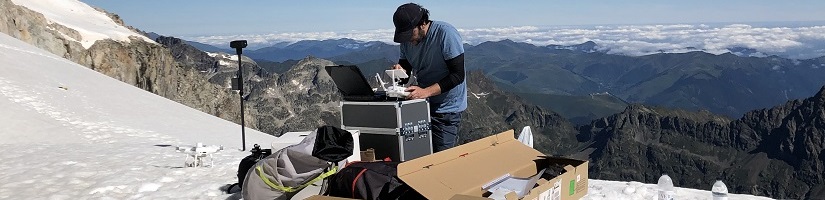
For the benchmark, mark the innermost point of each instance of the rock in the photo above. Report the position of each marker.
(776, 152)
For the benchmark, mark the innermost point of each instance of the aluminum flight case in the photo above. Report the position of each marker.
(399, 130)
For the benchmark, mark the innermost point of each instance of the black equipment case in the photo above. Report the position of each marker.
(399, 130)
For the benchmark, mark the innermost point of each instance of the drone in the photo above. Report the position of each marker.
(394, 90)
(198, 154)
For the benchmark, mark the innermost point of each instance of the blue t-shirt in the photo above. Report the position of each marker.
(428, 60)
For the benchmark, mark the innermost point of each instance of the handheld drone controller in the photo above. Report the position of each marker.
(397, 92)
(394, 90)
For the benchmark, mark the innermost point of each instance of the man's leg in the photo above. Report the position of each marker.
(445, 130)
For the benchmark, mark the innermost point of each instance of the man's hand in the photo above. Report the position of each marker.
(422, 93)
(398, 66)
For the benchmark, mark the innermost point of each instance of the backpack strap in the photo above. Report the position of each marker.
(293, 189)
(355, 180)
(325, 182)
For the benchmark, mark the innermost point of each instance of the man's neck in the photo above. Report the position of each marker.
(426, 28)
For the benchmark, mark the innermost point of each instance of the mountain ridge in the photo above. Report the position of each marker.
(725, 83)
(754, 154)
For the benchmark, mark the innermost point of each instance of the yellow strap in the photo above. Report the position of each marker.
(293, 189)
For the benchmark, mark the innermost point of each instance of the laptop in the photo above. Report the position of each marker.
(353, 85)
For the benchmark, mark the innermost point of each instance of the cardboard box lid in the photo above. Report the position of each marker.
(466, 168)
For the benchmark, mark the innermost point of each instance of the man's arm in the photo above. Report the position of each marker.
(456, 76)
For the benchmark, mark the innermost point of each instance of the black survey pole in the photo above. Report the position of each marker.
(238, 45)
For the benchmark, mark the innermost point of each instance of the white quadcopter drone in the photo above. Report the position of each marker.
(394, 90)
(198, 154)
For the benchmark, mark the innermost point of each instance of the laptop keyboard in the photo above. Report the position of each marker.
(363, 98)
(371, 98)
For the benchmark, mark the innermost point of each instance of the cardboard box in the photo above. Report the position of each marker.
(461, 172)
(368, 155)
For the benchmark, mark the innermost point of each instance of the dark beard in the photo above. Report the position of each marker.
(423, 35)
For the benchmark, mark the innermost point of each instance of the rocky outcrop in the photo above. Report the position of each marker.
(775, 152)
(492, 110)
(205, 83)
(642, 143)
(789, 160)
(33, 28)
(302, 98)
(149, 66)
(189, 56)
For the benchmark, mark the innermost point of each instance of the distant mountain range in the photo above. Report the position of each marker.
(320, 49)
(198, 45)
(725, 84)
(729, 84)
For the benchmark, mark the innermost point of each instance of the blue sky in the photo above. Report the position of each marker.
(212, 17)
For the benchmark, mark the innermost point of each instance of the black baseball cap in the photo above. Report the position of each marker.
(406, 17)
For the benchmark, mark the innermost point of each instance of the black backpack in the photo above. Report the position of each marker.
(370, 180)
(247, 163)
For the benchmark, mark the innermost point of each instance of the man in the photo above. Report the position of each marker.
(432, 52)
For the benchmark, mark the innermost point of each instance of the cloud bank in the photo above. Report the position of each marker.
(800, 42)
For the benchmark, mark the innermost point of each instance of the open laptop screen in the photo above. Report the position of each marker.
(349, 80)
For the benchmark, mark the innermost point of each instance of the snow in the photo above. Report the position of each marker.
(221, 55)
(479, 95)
(602, 189)
(224, 63)
(224, 59)
(71, 133)
(92, 25)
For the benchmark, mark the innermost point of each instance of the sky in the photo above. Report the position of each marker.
(791, 29)
(214, 17)
(70, 132)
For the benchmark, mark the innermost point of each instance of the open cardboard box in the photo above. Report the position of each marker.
(461, 172)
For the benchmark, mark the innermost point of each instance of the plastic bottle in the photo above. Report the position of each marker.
(719, 191)
(666, 191)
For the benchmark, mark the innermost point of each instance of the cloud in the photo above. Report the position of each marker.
(634, 40)
(266, 40)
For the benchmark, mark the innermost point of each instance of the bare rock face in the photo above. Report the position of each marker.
(31, 27)
(641, 143)
(777, 152)
(491, 110)
(189, 56)
(302, 98)
(795, 147)
(198, 80)
(149, 66)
